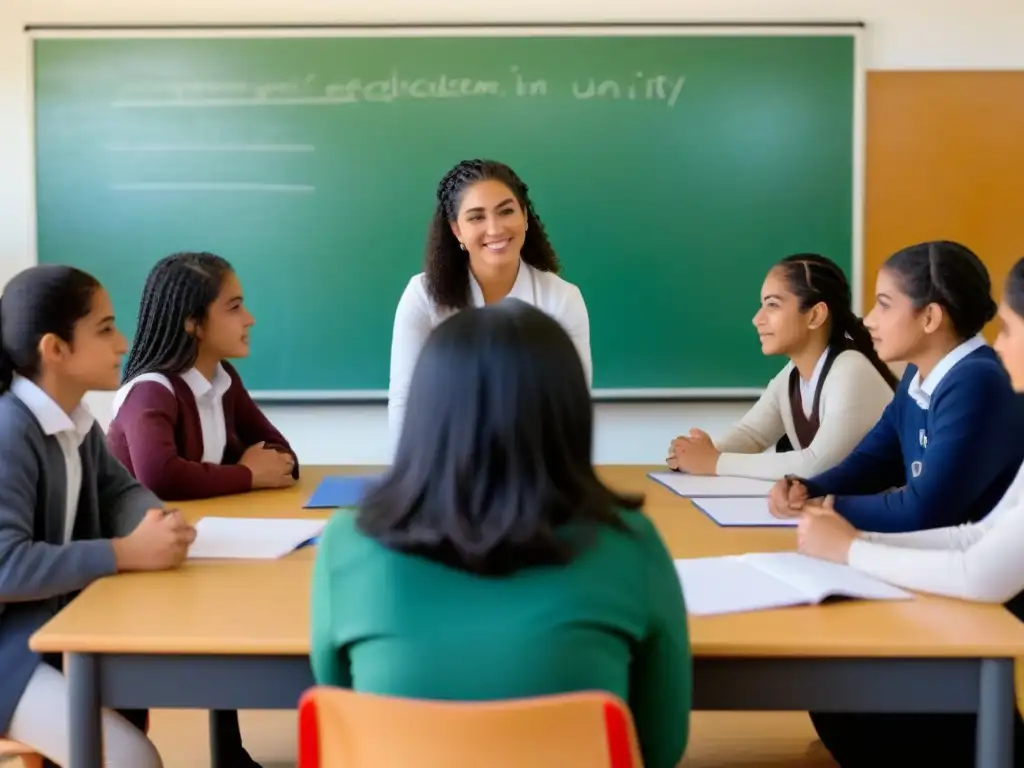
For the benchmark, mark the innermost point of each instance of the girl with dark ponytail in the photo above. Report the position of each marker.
(980, 561)
(816, 410)
(69, 512)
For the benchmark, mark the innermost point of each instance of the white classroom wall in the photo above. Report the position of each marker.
(900, 34)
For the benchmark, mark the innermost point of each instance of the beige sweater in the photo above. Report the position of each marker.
(852, 400)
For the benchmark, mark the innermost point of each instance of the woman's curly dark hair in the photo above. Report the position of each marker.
(446, 265)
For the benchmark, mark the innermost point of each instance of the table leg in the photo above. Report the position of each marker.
(222, 724)
(997, 715)
(86, 737)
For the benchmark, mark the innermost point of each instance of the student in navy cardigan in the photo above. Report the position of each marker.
(69, 512)
(944, 453)
(183, 423)
(948, 446)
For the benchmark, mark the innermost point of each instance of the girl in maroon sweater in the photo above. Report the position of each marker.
(184, 424)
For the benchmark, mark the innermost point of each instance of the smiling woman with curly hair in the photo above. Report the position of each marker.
(485, 242)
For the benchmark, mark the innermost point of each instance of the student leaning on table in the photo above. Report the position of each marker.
(981, 561)
(491, 562)
(822, 403)
(69, 512)
(485, 242)
(949, 444)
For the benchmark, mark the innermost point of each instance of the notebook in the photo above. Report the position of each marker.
(251, 538)
(339, 491)
(758, 581)
(702, 486)
(751, 511)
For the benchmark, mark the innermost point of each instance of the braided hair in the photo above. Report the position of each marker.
(813, 278)
(179, 290)
(446, 265)
(951, 275)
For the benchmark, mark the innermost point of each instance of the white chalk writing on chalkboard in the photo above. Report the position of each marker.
(312, 90)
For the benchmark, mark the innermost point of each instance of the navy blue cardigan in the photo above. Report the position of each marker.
(930, 468)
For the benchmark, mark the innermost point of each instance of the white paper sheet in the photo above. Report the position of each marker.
(700, 486)
(252, 538)
(741, 511)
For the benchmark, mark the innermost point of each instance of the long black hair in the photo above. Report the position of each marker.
(951, 275)
(36, 302)
(445, 263)
(179, 289)
(814, 278)
(495, 452)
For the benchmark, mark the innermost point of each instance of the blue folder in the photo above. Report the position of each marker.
(339, 491)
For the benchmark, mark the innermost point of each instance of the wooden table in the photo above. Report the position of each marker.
(235, 635)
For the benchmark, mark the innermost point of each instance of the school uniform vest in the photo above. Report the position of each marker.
(806, 426)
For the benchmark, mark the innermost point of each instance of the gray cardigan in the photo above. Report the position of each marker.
(38, 573)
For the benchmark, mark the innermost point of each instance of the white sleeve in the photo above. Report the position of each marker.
(576, 321)
(853, 398)
(759, 429)
(981, 561)
(412, 326)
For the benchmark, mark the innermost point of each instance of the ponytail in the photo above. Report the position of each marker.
(815, 279)
(849, 332)
(38, 301)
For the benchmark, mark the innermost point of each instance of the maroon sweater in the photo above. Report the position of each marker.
(158, 437)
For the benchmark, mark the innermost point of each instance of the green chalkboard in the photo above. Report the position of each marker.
(671, 170)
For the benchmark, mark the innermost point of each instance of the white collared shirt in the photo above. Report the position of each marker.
(921, 391)
(807, 388)
(70, 432)
(209, 397)
(417, 315)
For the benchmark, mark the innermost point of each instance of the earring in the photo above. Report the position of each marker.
(462, 245)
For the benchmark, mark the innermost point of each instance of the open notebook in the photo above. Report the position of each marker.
(757, 581)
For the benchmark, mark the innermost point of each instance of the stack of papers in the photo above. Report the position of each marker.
(251, 538)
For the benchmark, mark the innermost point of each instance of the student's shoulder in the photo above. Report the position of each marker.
(852, 365)
(16, 421)
(980, 373)
(147, 390)
(345, 546)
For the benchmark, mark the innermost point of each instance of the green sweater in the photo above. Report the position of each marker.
(614, 619)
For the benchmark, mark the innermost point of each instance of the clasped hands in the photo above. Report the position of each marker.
(695, 454)
(821, 531)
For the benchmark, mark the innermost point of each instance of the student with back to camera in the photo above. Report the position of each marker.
(491, 562)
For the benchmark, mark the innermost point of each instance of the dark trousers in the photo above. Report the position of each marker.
(872, 740)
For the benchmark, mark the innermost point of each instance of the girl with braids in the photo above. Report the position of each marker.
(485, 242)
(948, 446)
(981, 561)
(69, 512)
(183, 423)
(832, 392)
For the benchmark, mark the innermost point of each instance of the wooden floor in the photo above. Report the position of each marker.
(720, 740)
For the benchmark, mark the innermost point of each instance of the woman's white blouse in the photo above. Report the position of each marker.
(416, 316)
